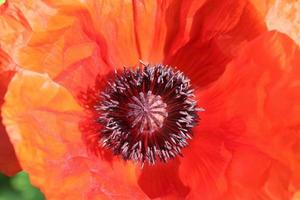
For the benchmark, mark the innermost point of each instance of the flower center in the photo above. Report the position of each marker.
(147, 113)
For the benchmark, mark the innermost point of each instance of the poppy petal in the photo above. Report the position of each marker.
(50, 48)
(73, 60)
(203, 165)
(267, 178)
(105, 41)
(262, 6)
(162, 25)
(113, 29)
(42, 120)
(9, 164)
(99, 22)
(254, 108)
(162, 180)
(148, 31)
(14, 27)
(218, 30)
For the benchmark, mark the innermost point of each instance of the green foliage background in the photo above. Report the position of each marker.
(18, 188)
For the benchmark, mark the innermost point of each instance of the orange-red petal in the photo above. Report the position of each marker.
(14, 27)
(162, 181)
(253, 109)
(73, 60)
(100, 40)
(15, 30)
(9, 164)
(218, 30)
(198, 37)
(52, 47)
(204, 163)
(42, 120)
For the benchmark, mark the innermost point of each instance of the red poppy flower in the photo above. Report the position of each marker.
(66, 114)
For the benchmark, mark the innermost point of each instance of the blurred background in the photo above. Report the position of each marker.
(18, 187)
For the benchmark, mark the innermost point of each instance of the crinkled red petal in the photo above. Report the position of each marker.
(252, 114)
(9, 163)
